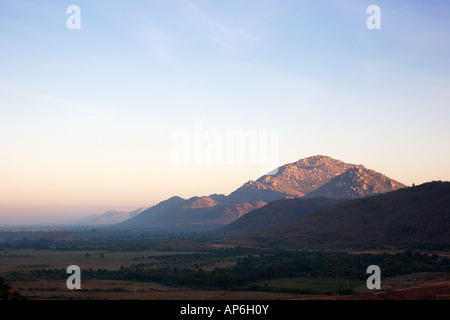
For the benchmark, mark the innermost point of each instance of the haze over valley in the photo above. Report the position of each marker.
(191, 149)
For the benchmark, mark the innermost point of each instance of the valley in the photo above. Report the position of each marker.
(308, 232)
(188, 267)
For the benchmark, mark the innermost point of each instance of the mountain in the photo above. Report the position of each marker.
(194, 214)
(200, 202)
(255, 191)
(305, 176)
(109, 217)
(153, 213)
(411, 215)
(356, 183)
(292, 180)
(218, 197)
(196, 217)
(273, 214)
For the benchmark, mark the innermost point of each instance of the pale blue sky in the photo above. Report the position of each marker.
(86, 116)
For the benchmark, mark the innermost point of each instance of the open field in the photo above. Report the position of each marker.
(135, 268)
(412, 287)
(131, 290)
(29, 259)
(320, 285)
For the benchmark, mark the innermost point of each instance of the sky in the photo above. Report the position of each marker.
(123, 104)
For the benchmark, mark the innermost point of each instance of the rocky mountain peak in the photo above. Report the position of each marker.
(305, 175)
(355, 183)
(311, 176)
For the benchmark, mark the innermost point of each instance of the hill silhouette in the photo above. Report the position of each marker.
(109, 217)
(418, 214)
(293, 180)
(273, 214)
(194, 214)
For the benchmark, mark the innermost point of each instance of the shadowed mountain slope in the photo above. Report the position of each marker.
(146, 217)
(418, 214)
(271, 215)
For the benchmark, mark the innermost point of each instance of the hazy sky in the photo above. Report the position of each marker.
(95, 118)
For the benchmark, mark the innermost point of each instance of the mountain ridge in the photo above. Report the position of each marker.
(109, 217)
(419, 214)
(356, 183)
(305, 175)
(292, 180)
(273, 214)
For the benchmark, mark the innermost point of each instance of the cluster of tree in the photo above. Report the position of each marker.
(8, 293)
(113, 244)
(30, 275)
(252, 267)
(336, 264)
(25, 243)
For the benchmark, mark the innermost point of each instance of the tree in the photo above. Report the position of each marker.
(7, 292)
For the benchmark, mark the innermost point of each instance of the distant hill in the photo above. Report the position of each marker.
(195, 218)
(273, 214)
(194, 214)
(418, 214)
(145, 218)
(292, 180)
(109, 217)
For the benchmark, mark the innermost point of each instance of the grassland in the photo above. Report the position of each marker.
(131, 268)
(318, 286)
